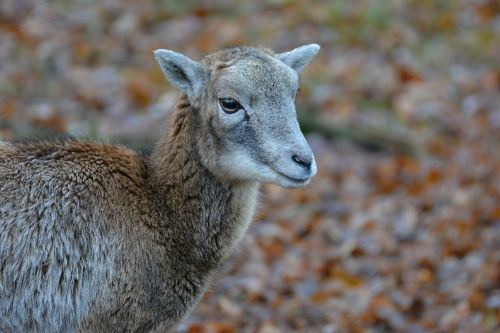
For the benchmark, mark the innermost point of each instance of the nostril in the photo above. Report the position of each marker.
(302, 161)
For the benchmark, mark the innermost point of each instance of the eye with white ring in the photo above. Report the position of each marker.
(229, 105)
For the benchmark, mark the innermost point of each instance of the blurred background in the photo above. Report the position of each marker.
(399, 231)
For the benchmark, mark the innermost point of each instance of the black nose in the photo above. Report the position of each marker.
(304, 161)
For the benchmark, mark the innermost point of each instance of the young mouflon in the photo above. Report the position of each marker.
(99, 238)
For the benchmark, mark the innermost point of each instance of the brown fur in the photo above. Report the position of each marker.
(98, 238)
(172, 220)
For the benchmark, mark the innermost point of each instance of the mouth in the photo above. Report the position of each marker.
(298, 181)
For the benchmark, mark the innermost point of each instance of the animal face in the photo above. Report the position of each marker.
(246, 99)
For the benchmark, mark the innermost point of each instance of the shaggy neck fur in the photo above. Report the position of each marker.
(211, 214)
(194, 221)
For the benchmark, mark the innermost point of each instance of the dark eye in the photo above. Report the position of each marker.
(229, 105)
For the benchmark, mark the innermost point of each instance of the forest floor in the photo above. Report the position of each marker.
(400, 229)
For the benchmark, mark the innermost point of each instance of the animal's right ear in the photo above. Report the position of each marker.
(184, 73)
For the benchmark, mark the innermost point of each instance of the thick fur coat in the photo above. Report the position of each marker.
(98, 238)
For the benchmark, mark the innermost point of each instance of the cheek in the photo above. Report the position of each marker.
(240, 134)
(245, 139)
(240, 165)
(232, 120)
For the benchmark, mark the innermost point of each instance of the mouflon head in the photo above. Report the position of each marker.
(244, 100)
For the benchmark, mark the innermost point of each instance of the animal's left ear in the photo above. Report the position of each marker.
(298, 58)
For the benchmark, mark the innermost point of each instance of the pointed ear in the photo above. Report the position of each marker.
(184, 73)
(298, 58)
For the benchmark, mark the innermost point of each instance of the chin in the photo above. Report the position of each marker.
(288, 183)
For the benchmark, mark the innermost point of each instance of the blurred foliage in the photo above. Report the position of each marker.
(400, 230)
(370, 50)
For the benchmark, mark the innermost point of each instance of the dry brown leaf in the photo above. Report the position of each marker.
(406, 74)
(220, 327)
(196, 328)
(320, 297)
(347, 278)
(488, 9)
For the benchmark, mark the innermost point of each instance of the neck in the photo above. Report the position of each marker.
(202, 216)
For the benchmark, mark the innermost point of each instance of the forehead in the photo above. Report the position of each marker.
(262, 75)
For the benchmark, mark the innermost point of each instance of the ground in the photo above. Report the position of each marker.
(400, 229)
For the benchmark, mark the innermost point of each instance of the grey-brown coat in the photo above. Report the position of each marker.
(98, 238)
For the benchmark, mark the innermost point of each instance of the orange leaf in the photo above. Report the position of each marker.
(319, 297)
(139, 89)
(274, 248)
(347, 278)
(488, 10)
(7, 109)
(53, 121)
(434, 176)
(407, 74)
(477, 299)
(219, 327)
(196, 328)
